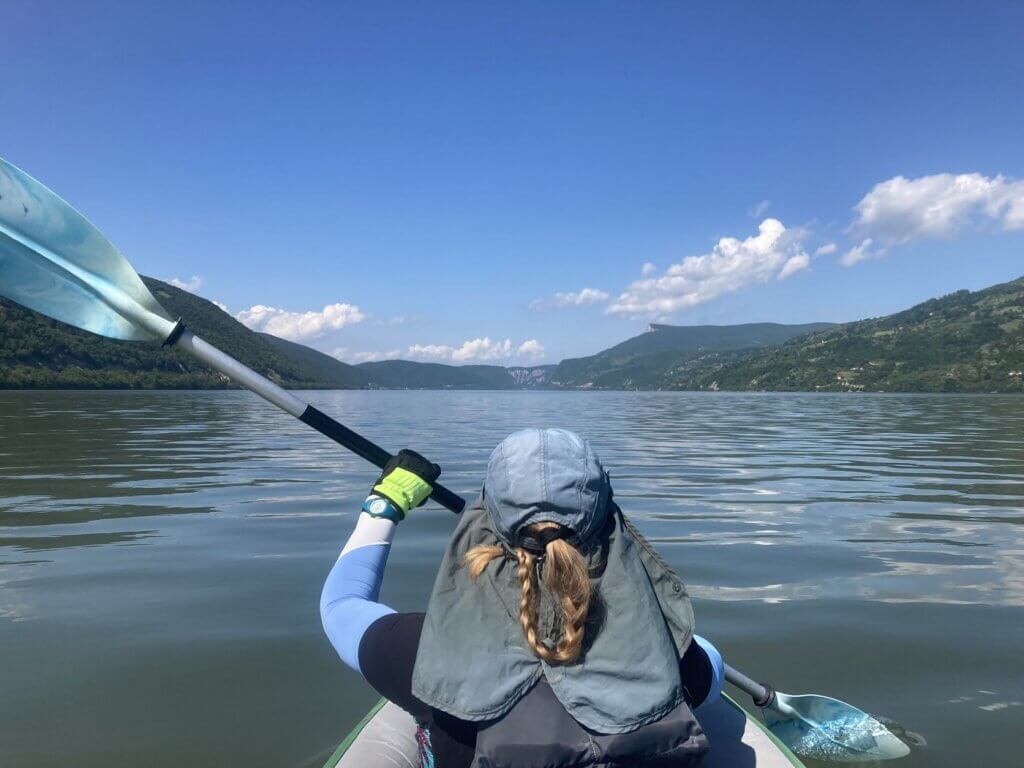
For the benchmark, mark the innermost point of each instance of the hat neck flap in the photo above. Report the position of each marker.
(474, 663)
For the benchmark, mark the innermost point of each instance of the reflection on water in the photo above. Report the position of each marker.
(161, 556)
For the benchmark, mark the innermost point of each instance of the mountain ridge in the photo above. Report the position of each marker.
(965, 341)
(962, 342)
(641, 357)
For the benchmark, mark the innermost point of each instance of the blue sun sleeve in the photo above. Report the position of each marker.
(350, 600)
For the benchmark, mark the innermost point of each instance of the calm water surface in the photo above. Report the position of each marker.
(161, 556)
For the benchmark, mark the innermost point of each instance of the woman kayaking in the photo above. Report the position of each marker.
(555, 635)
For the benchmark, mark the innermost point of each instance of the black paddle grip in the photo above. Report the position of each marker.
(372, 452)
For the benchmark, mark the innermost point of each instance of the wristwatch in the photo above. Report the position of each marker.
(378, 506)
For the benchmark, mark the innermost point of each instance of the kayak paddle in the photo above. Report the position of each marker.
(54, 261)
(820, 727)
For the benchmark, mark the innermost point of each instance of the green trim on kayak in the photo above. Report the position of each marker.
(796, 761)
(354, 734)
(336, 756)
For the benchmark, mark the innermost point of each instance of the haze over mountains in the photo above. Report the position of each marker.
(963, 342)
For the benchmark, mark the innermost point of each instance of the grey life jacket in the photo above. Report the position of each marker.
(538, 733)
(620, 703)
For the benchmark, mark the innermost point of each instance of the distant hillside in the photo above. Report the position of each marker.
(406, 374)
(963, 342)
(39, 353)
(316, 365)
(36, 352)
(533, 376)
(644, 361)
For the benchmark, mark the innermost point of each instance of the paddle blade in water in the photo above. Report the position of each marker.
(54, 261)
(828, 729)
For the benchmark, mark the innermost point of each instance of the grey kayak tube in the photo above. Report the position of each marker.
(184, 339)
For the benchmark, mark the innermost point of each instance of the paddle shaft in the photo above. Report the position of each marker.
(762, 695)
(303, 411)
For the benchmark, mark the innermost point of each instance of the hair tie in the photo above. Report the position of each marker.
(536, 543)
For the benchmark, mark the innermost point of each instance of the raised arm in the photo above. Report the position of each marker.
(349, 602)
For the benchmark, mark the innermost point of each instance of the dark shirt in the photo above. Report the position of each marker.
(387, 655)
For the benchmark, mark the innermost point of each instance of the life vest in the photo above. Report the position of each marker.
(538, 733)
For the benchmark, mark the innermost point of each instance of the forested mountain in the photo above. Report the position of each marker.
(39, 353)
(644, 361)
(317, 366)
(964, 342)
(36, 352)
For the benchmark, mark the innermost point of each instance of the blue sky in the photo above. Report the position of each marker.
(414, 179)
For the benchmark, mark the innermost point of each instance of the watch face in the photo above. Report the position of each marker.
(378, 507)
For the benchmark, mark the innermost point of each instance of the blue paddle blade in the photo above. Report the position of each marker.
(829, 729)
(53, 260)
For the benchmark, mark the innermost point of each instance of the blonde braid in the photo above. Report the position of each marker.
(528, 603)
(479, 557)
(565, 575)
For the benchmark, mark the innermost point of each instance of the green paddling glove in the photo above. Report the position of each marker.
(406, 481)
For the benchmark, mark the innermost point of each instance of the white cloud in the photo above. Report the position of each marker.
(794, 264)
(531, 348)
(191, 285)
(477, 350)
(827, 249)
(220, 305)
(862, 252)
(482, 349)
(343, 354)
(774, 252)
(939, 206)
(300, 325)
(758, 210)
(570, 299)
(648, 269)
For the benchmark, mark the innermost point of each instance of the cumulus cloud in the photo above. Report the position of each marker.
(570, 299)
(531, 348)
(482, 349)
(827, 249)
(300, 325)
(648, 269)
(191, 285)
(220, 305)
(773, 253)
(758, 210)
(863, 252)
(939, 206)
(794, 264)
(343, 354)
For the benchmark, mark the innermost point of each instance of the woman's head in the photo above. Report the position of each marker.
(547, 496)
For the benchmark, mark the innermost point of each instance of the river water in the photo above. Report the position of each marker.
(161, 556)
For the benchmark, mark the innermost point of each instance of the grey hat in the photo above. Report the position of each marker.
(546, 475)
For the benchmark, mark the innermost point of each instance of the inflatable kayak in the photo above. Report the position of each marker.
(386, 738)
